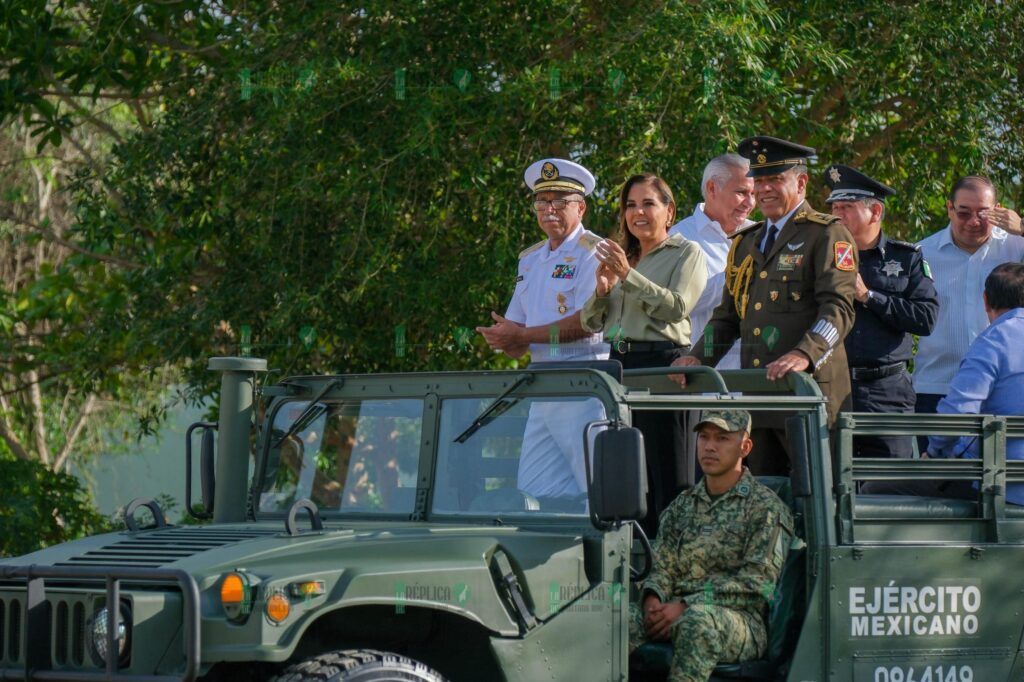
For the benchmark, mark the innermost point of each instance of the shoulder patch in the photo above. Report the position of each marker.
(821, 218)
(530, 249)
(902, 244)
(589, 241)
(844, 256)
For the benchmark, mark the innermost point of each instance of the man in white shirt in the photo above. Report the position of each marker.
(556, 276)
(728, 200)
(961, 257)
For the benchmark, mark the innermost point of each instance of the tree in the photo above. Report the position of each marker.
(348, 174)
(40, 507)
(75, 79)
(337, 186)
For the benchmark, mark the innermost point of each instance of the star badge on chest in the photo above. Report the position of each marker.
(892, 268)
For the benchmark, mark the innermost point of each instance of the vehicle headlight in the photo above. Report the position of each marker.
(98, 627)
(236, 596)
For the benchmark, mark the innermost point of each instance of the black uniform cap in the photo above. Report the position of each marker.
(770, 155)
(849, 184)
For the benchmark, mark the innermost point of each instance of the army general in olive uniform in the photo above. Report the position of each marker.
(718, 557)
(789, 291)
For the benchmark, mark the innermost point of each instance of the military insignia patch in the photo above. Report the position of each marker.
(789, 262)
(519, 279)
(549, 171)
(927, 270)
(796, 295)
(562, 308)
(563, 271)
(761, 158)
(893, 268)
(770, 335)
(844, 256)
(834, 174)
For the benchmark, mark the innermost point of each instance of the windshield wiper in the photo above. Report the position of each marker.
(312, 412)
(495, 409)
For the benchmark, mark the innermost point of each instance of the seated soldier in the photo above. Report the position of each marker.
(718, 556)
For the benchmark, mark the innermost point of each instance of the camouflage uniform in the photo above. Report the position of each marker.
(722, 558)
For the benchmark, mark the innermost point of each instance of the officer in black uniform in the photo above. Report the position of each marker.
(895, 298)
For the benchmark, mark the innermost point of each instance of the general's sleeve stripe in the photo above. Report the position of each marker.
(827, 331)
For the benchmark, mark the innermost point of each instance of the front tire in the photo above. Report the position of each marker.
(359, 665)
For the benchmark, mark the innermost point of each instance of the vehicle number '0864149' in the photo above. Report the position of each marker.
(927, 673)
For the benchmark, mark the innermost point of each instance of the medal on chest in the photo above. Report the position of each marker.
(562, 308)
(789, 262)
(564, 271)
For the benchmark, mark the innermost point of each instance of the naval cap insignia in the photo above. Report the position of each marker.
(549, 171)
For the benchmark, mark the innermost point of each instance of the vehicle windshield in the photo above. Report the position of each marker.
(528, 459)
(351, 456)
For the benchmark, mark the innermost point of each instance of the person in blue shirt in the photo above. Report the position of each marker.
(991, 377)
(990, 381)
(895, 297)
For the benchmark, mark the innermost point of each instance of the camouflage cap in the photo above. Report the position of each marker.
(728, 420)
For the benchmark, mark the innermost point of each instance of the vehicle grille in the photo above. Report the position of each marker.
(165, 546)
(66, 619)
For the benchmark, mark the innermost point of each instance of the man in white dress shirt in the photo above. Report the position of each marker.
(556, 276)
(961, 257)
(728, 200)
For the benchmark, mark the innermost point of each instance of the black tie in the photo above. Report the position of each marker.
(773, 232)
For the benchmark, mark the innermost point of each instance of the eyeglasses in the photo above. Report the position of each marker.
(966, 214)
(557, 204)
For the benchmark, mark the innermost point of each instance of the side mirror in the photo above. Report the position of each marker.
(207, 475)
(800, 473)
(618, 487)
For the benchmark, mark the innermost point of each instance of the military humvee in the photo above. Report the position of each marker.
(373, 529)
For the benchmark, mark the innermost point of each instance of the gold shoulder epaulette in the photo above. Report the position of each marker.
(589, 241)
(745, 230)
(530, 249)
(817, 217)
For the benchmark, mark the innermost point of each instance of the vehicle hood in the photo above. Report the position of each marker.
(407, 563)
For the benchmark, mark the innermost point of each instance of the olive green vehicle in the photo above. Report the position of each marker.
(370, 527)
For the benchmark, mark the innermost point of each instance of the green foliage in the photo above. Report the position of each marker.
(40, 507)
(350, 170)
(337, 186)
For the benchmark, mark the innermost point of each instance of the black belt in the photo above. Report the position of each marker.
(871, 373)
(627, 346)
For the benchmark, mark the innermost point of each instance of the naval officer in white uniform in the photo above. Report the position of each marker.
(556, 276)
